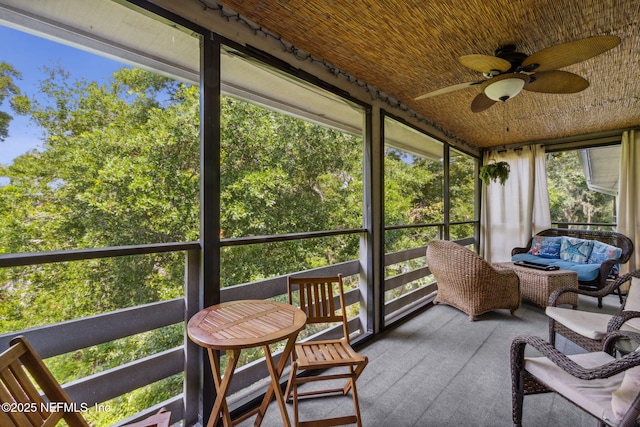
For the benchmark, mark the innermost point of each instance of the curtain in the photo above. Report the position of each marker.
(512, 213)
(628, 200)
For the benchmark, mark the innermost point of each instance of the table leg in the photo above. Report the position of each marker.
(222, 385)
(274, 387)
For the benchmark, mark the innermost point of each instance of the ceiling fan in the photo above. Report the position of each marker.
(510, 71)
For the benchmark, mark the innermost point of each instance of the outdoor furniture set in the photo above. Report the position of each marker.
(32, 397)
(468, 282)
(594, 255)
(605, 381)
(236, 325)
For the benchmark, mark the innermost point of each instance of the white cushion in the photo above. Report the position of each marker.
(623, 397)
(632, 303)
(586, 323)
(594, 396)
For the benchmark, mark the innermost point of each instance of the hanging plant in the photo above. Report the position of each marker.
(494, 171)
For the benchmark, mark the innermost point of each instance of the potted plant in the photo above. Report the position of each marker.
(494, 171)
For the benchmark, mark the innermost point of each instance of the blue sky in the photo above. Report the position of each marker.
(28, 54)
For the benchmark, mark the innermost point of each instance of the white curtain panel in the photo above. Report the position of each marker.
(628, 200)
(512, 213)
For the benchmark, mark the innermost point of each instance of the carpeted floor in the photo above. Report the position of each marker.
(438, 369)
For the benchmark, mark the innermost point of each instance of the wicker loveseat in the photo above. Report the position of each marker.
(469, 283)
(591, 275)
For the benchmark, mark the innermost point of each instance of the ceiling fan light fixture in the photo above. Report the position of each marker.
(504, 89)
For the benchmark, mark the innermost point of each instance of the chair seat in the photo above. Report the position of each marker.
(603, 383)
(588, 324)
(326, 354)
(161, 419)
(593, 395)
(588, 329)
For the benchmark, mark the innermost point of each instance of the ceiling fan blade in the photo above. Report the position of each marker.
(564, 54)
(556, 81)
(481, 103)
(485, 63)
(448, 89)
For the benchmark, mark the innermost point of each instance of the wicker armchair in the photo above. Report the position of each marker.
(469, 283)
(597, 382)
(588, 329)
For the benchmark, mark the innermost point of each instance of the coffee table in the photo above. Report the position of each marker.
(538, 285)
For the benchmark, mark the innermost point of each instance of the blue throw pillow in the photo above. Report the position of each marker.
(545, 247)
(576, 250)
(603, 252)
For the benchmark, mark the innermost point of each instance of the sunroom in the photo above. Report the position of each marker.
(236, 144)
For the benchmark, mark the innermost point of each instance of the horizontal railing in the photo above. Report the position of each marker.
(35, 258)
(397, 308)
(61, 338)
(64, 337)
(605, 226)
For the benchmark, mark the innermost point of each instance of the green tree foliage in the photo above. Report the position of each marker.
(414, 195)
(570, 200)
(281, 175)
(114, 158)
(8, 89)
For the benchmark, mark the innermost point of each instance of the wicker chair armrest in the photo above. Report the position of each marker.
(515, 251)
(619, 282)
(566, 364)
(620, 319)
(555, 295)
(504, 273)
(505, 280)
(606, 266)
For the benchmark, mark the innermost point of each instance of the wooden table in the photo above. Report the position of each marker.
(232, 326)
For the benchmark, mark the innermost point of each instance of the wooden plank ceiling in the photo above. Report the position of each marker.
(408, 48)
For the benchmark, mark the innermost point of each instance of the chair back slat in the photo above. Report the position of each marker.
(18, 389)
(321, 298)
(26, 381)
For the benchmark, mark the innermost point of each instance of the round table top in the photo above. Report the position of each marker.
(244, 324)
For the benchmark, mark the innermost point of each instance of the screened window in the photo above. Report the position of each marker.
(583, 187)
(413, 179)
(462, 189)
(413, 211)
(291, 162)
(101, 151)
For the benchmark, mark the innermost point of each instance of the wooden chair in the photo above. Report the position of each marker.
(317, 298)
(588, 329)
(34, 397)
(606, 387)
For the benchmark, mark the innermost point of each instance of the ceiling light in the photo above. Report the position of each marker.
(506, 88)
